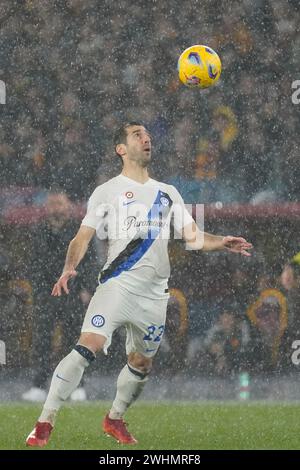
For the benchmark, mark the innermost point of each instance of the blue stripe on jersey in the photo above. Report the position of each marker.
(161, 205)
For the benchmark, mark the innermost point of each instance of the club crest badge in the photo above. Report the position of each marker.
(98, 321)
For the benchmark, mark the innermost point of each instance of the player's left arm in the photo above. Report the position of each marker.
(198, 240)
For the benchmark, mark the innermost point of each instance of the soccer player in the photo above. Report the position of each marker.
(133, 285)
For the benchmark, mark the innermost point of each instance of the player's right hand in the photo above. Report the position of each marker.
(62, 284)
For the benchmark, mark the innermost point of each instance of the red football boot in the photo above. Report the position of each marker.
(117, 429)
(39, 436)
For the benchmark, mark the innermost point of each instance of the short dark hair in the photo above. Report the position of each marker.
(120, 135)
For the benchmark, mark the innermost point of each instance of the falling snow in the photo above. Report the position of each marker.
(74, 70)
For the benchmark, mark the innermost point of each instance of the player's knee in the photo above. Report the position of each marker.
(140, 362)
(92, 341)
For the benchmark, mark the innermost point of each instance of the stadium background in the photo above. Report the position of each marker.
(74, 70)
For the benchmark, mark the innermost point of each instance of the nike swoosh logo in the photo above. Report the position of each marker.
(127, 203)
(61, 378)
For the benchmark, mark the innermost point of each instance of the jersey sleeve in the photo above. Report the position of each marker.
(96, 208)
(181, 216)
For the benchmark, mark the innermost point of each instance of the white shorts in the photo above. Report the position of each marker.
(113, 306)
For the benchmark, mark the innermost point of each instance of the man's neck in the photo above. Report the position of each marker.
(137, 174)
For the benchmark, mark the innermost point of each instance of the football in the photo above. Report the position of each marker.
(199, 66)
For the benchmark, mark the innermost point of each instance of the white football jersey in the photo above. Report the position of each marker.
(136, 219)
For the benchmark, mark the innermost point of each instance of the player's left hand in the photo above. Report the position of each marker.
(62, 284)
(237, 245)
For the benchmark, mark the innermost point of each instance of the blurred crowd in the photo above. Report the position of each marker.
(226, 315)
(75, 69)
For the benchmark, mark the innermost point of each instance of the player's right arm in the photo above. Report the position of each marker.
(76, 251)
(79, 245)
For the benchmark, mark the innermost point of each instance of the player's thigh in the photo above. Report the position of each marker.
(107, 311)
(146, 328)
